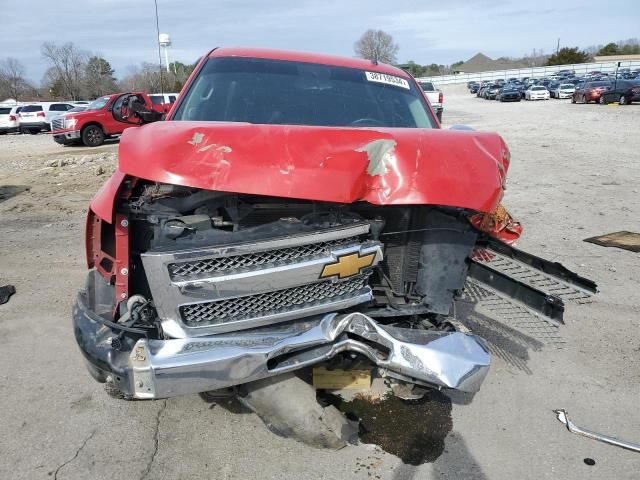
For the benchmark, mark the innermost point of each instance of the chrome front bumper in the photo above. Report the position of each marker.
(150, 368)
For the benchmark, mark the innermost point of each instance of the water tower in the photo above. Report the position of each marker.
(165, 42)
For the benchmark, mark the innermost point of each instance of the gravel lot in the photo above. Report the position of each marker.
(575, 173)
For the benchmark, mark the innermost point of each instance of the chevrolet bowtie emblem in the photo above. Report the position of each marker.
(348, 265)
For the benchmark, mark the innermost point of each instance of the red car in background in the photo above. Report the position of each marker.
(590, 92)
(106, 117)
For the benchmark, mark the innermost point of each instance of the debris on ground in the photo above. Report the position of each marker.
(6, 292)
(625, 240)
(288, 407)
(563, 417)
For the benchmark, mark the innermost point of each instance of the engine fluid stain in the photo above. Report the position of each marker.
(413, 430)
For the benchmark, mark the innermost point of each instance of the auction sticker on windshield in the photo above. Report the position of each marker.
(387, 79)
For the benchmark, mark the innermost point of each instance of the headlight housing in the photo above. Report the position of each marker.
(70, 122)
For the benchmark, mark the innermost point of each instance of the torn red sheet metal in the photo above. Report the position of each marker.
(498, 224)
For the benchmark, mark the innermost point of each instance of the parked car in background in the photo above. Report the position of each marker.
(166, 100)
(536, 92)
(481, 90)
(37, 117)
(563, 90)
(552, 86)
(491, 91)
(624, 92)
(590, 92)
(474, 88)
(508, 93)
(9, 119)
(434, 96)
(105, 117)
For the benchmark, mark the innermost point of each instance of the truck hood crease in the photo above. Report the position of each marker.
(382, 166)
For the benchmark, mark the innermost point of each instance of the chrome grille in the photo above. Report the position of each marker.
(223, 288)
(251, 260)
(57, 124)
(252, 306)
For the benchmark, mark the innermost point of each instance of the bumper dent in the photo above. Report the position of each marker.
(164, 368)
(69, 136)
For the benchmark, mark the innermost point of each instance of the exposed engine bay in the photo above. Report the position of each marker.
(410, 258)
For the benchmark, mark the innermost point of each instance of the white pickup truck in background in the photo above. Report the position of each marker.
(435, 97)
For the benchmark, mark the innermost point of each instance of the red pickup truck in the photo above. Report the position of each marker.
(105, 117)
(297, 210)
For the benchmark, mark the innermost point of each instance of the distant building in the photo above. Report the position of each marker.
(481, 63)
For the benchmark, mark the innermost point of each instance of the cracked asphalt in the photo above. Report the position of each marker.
(575, 173)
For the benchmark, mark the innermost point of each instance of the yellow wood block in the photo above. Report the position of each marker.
(341, 379)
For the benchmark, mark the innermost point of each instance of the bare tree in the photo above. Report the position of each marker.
(145, 78)
(377, 46)
(69, 63)
(12, 81)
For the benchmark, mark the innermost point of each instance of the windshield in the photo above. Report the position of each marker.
(538, 88)
(98, 103)
(427, 86)
(567, 85)
(278, 92)
(32, 108)
(600, 84)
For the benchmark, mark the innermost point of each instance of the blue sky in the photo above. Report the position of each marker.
(123, 31)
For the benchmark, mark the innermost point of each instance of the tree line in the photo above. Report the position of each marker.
(77, 74)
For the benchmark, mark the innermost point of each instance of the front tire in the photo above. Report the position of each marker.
(623, 100)
(584, 99)
(602, 101)
(93, 136)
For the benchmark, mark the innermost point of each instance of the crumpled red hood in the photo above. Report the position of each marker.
(377, 165)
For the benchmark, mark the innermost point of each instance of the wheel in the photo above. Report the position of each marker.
(573, 99)
(602, 101)
(584, 99)
(92, 136)
(622, 101)
(34, 131)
